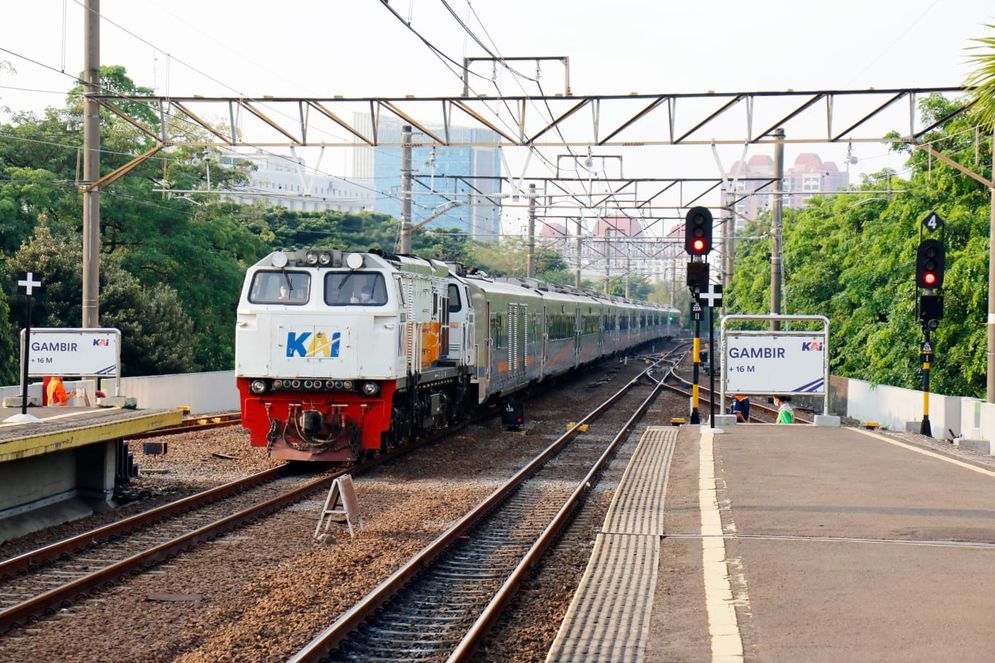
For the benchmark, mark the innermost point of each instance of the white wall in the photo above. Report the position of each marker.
(202, 392)
(892, 407)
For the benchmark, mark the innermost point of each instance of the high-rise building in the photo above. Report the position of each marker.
(436, 173)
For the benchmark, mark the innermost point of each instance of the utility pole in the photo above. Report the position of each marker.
(91, 164)
(406, 189)
(577, 275)
(728, 240)
(608, 259)
(990, 391)
(775, 229)
(673, 284)
(628, 267)
(530, 265)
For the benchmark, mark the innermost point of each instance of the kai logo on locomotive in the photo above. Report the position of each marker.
(313, 344)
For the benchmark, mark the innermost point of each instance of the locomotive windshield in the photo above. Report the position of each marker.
(280, 288)
(355, 289)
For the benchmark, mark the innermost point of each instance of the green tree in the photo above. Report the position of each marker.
(982, 79)
(157, 335)
(851, 257)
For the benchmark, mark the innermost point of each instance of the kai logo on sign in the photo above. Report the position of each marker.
(812, 346)
(313, 344)
(101, 342)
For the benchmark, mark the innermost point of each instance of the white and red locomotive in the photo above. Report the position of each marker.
(338, 354)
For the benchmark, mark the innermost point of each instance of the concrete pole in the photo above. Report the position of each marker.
(530, 264)
(673, 284)
(577, 275)
(728, 241)
(775, 228)
(406, 189)
(628, 267)
(91, 165)
(608, 258)
(990, 391)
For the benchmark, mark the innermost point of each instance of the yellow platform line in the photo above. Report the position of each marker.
(43, 443)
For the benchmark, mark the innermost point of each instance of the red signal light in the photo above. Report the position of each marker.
(698, 245)
(929, 278)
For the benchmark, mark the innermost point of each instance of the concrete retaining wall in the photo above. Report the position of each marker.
(202, 392)
(893, 407)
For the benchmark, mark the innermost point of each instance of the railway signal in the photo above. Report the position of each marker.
(930, 263)
(698, 231)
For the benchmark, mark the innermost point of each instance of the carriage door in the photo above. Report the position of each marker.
(517, 333)
(577, 330)
(456, 309)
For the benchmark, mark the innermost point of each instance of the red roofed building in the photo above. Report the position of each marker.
(808, 176)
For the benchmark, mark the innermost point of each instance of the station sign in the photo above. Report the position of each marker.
(775, 363)
(74, 352)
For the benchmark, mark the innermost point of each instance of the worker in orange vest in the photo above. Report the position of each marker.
(56, 392)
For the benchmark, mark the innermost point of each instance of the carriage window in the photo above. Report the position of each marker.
(281, 287)
(355, 289)
(454, 300)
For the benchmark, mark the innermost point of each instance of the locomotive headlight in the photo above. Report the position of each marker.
(311, 258)
(279, 260)
(324, 258)
(257, 386)
(371, 388)
(354, 261)
(347, 384)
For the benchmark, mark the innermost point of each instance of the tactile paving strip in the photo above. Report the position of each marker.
(637, 507)
(608, 619)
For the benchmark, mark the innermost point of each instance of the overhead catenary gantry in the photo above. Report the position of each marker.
(600, 120)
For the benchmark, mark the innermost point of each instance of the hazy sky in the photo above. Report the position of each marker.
(357, 48)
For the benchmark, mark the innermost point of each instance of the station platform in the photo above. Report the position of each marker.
(62, 467)
(790, 543)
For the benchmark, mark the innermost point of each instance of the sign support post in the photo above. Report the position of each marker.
(696, 360)
(927, 360)
(711, 296)
(711, 366)
(29, 283)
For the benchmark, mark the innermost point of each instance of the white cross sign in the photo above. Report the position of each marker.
(711, 296)
(29, 283)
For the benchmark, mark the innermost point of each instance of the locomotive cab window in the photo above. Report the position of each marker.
(355, 289)
(454, 301)
(281, 287)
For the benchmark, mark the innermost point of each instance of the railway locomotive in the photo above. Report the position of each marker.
(340, 355)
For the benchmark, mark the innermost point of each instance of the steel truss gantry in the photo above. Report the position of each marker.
(707, 118)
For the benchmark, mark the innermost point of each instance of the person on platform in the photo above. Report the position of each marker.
(785, 413)
(56, 392)
(741, 408)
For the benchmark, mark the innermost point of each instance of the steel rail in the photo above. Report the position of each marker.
(67, 593)
(705, 390)
(326, 641)
(191, 425)
(472, 640)
(33, 559)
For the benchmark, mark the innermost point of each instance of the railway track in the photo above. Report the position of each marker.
(193, 424)
(769, 414)
(440, 603)
(60, 574)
